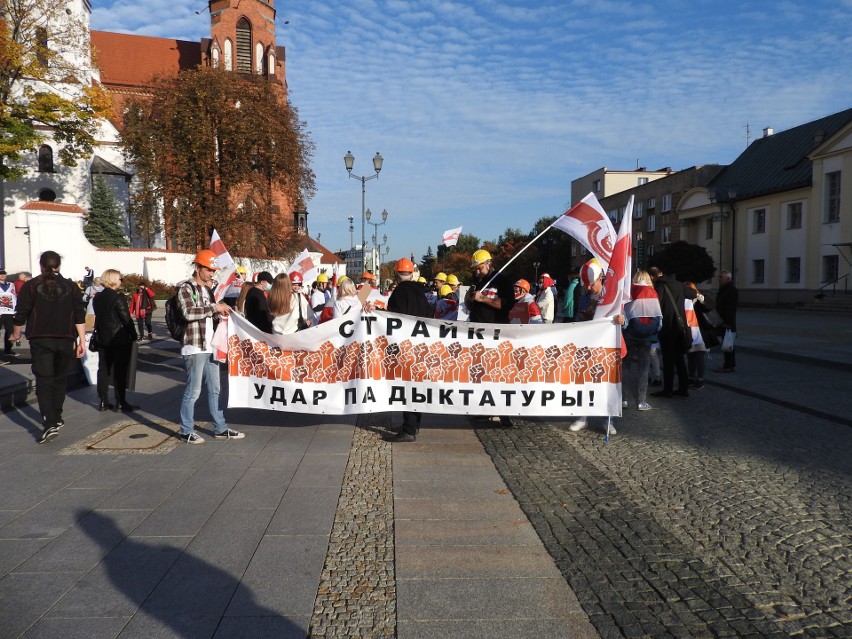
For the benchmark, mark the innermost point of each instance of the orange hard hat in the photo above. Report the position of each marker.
(404, 265)
(523, 284)
(207, 258)
(366, 275)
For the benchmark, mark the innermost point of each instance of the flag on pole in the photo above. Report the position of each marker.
(451, 237)
(218, 247)
(227, 272)
(305, 265)
(587, 223)
(617, 288)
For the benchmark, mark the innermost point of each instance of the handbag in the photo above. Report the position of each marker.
(93, 341)
(728, 341)
(713, 318)
(685, 331)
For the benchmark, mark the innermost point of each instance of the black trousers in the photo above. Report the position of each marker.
(8, 327)
(52, 358)
(411, 422)
(112, 361)
(674, 361)
(146, 321)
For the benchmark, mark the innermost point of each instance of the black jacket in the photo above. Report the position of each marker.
(50, 311)
(409, 298)
(112, 319)
(726, 305)
(257, 310)
(671, 311)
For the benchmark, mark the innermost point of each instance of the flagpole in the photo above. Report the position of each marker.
(531, 242)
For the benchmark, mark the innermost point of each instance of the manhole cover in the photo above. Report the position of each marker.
(149, 436)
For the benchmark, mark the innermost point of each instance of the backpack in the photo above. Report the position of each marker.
(175, 321)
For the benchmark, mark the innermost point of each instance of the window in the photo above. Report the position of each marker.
(757, 271)
(667, 203)
(45, 158)
(832, 198)
(652, 223)
(667, 234)
(215, 53)
(641, 181)
(258, 58)
(759, 217)
(613, 215)
(708, 229)
(652, 203)
(46, 195)
(794, 270)
(638, 210)
(243, 46)
(830, 268)
(794, 216)
(271, 70)
(229, 55)
(596, 186)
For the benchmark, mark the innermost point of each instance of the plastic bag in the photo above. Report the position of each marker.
(90, 363)
(728, 341)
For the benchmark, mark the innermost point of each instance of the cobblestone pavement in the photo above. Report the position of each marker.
(718, 515)
(357, 591)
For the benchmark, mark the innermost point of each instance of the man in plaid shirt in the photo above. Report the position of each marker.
(199, 309)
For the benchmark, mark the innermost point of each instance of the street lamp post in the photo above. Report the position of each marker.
(352, 235)
(349, 162)
(721, 197)
(536, 265)
(368, 214)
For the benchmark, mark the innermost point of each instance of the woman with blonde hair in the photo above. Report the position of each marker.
(289, 310)
(116, 334)
(347, 298)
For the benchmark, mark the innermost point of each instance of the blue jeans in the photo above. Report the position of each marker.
(201, 367)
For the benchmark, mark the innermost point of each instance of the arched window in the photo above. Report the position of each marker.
(216, 58)
(271, 71)
(229, 55)
(46, 195)
(258, 59)
(45, 159)
(244, 46)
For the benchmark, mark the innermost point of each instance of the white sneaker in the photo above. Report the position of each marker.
(644, 406)
(612, 430)
(578, 425)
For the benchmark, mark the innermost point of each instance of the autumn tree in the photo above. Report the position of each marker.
(105, 224)
(218, 147)
(456, 259)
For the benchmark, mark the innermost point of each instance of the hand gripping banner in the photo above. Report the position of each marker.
(377, 362)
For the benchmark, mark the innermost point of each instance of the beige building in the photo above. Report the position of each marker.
(780, 216)
(604, 182)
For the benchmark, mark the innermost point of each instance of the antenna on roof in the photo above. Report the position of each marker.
(748, 133)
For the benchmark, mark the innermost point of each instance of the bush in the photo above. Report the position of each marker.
(131, 281)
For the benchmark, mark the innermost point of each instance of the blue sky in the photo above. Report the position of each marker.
(485, 110)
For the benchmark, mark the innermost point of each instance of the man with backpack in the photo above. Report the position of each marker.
(198, 310)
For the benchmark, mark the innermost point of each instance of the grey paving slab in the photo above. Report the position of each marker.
(273, 627)
(89, 628)
(56, 514)
(281, 578)
(148, 489)
(332, 439)
(255, 489)
(115, 472)
(486, 488)
(174, 521)
(446, 475)
(467, 599)
(14, 552)
(189, 625)
(566, 628)
(404, 459)
(305, 510)
(476, 562)
(8, 515)
(279, 460)
(81, 547)
(230, 539)
(29, 471)
(26, 597)
(320, 470)
(442, 508)
(455, 532)
(125, 578)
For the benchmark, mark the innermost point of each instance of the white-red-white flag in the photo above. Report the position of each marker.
(305, 265)
(227, 272)
(587, 223)
(451, 237)
(218, 247)
(617, 282)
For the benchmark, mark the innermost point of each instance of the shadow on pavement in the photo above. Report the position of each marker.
(185, 594)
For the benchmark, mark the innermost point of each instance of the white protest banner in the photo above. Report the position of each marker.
(374, 362)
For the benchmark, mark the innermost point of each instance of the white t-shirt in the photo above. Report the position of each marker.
(8, 298)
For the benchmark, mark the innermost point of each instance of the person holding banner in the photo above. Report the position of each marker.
(256, 307)
(199, 309)
(491, 297)
(288, 307)
(407, 298)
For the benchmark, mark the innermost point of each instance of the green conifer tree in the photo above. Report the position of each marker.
(105, 226)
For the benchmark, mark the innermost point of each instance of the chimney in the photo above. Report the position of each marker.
(768, 131)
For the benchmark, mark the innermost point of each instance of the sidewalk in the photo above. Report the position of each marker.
(311, 522)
